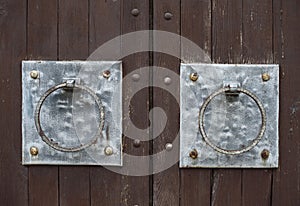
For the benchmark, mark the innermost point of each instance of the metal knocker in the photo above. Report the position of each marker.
(235, 89)
(67, 85)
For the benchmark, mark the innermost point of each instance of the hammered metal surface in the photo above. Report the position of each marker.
(71, 117)
(231, 122)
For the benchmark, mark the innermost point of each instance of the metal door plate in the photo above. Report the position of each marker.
(229, 116)
(72, 113)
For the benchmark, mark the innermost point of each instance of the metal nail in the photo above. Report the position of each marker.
(265, 154)
(108, 150)
(34, 151)
(135, 77)
(194, 154)
(168, 16)
(194, 77)
(135, 12)
(265, 77)
(34, 74)
(169, 146)
(167, 80)
(106, 74)
(137, 143)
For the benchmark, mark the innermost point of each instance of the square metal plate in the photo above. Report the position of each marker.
(72, 113)
(229, 116)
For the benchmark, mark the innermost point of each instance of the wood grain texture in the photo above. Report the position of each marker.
(104, 25)
(257, 49)
(166, 183)
(286, 180)
(42, 44)
(13, 176)
(195, 184)
(227, 48)
(135, 189)
(74, 182)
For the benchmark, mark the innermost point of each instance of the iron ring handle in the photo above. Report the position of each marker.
(255, 141)
(42, 134)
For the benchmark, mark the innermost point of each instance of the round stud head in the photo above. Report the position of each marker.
(106, 74)
(137, 143)
(265, 77)
(169, 146)
(108, 150)
(167, 80)
(135, 12)
(34, 74)
(194, 154)
(168, 15)
(194, 77)
(34, 151)
(265, 154)
(135, 77)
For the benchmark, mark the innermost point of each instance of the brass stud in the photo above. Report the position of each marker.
(194, 77)
(194, 154)
(265, 77)
(265, 154)
(34, 151)
(106, 74)
(34, 74)
(108, 150)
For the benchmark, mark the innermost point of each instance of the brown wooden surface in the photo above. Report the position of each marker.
(42, 44)
(230, 31)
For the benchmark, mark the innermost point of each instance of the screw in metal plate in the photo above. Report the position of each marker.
(34, 151)
(167, 80)
(265, 154)
(34, 74)
(108, 150)
(135, 12)
(265, 77)
(137, 143)
(194, 154)
(168, 16)
(106, 74)
(194, 77)
(169, 146)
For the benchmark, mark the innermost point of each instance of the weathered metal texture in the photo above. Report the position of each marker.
(229, 130)
(72, 113)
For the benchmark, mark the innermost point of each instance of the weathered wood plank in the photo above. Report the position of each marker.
(257, 48)
(13, 176)
(74, 182)
(42, 44)
(166, 183)
(104, 25)
(286, 180)
(227, 48)
(195, 184)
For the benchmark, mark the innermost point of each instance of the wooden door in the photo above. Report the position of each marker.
(229, 31)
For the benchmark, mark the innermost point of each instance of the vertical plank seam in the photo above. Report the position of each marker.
(180, 52)
(211, 58)
(26, 44)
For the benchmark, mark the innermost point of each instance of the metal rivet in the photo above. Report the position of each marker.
(135, 77)
(265, 154)
(135, 12)
(34, 151)
(136, 143)
(106, 74)
(194, 77)
(168, 16)
(108, 150)
(167, 80)
(169, 146)
(194, 154)
(265, 77)
(34, 74)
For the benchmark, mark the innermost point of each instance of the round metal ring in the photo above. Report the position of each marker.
(255, 141)
(44, 136)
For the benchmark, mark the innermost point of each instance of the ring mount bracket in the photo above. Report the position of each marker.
(71, 113)
(229, 116)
